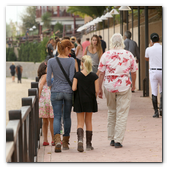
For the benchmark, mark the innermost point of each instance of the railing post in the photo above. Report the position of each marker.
(28, 102)
(9, 138)
(34, 92)
(15, 115)
(40, 119)
(144, 87)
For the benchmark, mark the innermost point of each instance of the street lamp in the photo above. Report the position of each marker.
(103, 18)
(34, 27)
(124, 8)
(108, 15)
(114, 12)
(31, 30)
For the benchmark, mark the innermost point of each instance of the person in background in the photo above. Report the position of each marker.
(95, 51)
(72, 53)
(12, 68)
(153, 54)
(55, 52)
(45, 108)
(85, 44)
(103, 43)
(61, 92)
(19, 70)
(27, 34)
(73, 40)
(86, 86)
(79, 52)
(114, 68)
(131, 46)
(50, 49)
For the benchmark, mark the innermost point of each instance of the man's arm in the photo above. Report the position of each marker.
(133, 75)
(101, 78)
(147, 59)
(137, 52)
(126, 45)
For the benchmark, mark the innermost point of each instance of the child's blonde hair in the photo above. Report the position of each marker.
(87, 63)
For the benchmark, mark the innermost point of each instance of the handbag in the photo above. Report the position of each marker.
(67, 78)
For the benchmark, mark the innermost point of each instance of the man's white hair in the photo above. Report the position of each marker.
(117, 42)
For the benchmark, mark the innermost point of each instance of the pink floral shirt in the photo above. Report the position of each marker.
(116, 64)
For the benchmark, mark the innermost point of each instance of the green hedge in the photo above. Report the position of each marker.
(10, 55)
(33, 51)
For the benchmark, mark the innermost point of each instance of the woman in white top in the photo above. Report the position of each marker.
(79, 52)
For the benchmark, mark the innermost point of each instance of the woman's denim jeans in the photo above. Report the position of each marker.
(58, 100)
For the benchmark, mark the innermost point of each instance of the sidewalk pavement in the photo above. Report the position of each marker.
(142, 142)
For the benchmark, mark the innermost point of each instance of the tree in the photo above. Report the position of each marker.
(29, 17)
(92, 11)
(13, 29)
(46, 19)
(8, 30)
(58, 26)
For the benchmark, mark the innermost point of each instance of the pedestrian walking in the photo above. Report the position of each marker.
(79, 53)
(55, 52)
(95, 51)
(72, 53)
(153, 54)
(45, 107)
(114, 68)
(27, 34)
(61, 91)
(103, 43)
(86, 86)
(12, 68)
(85, 44)
(73, 40)
(50, 49)
(19, 70)
(131, 46)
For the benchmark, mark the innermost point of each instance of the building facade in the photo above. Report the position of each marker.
(59, 14)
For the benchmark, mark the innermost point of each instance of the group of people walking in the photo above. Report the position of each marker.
(77, 72)
(16, 69)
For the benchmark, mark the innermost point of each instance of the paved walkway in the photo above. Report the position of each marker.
(14, 92)
(142, 142)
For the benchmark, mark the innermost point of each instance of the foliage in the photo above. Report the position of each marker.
(46, 19)
(33, 51)
(58, 26)
(92, 11)
(8, 30)
(10, 55)
(159, 12)
(28, 18)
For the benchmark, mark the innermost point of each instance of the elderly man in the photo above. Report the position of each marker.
(153, 54)
(114, 68)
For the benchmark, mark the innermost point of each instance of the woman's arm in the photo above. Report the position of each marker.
(74, 85)
(77, 50)
(85, 52)
(97, 87)
(41, 84)
(76, 66)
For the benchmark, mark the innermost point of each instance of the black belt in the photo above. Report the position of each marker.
(155, 68)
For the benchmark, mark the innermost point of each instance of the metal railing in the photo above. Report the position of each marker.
(24, 129)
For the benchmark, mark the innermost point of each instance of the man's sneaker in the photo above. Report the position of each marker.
(112, 143)
(118, 145)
